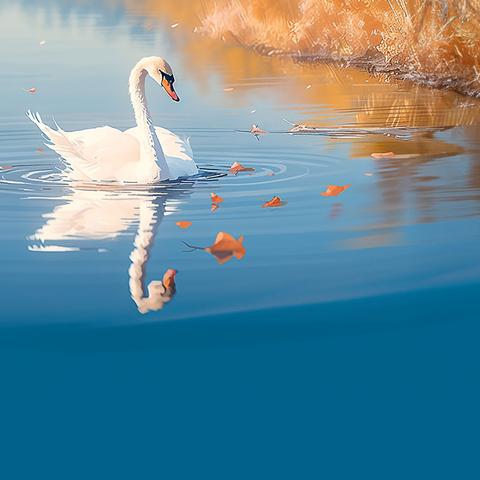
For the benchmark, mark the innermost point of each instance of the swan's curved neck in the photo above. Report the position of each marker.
(151, 150)
(152, 297)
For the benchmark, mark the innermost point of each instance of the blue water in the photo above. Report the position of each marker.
(343, 344)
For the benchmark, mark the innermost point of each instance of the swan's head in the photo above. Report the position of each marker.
(162, 73)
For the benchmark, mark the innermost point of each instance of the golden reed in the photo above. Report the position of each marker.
(436, 42)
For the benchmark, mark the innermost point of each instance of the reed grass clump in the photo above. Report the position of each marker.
(436, 42)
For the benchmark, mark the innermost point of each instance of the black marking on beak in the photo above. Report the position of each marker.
(167, 84)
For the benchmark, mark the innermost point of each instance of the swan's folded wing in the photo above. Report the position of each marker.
(103, 151)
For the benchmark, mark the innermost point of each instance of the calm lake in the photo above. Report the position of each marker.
(344, 344)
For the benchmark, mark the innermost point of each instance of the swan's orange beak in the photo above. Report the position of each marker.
(168, 86)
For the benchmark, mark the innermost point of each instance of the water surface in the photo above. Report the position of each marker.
(353, 276)
(406, 223)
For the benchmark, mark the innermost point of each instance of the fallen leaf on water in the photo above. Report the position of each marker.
(184, 224)
(216, 198)
(256, 130)
(407, 156)
(382, 155)
(30, 90)
(238, 167)
(169, 279)
(274, 202)
(334, 190)
(224, 248)
(175, 25)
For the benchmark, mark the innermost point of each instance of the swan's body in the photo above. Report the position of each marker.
(144, 154)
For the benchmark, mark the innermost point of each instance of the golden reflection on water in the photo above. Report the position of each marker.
(370, 100)
(327, 96)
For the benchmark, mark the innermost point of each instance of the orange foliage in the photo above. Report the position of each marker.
(216, 198)
(382, 155)
(334, 190)
(184, 224)
(436, 42)
(238, 167)
(274, 202)
(226, 247)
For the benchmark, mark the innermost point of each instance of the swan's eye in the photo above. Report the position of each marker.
(169, 78)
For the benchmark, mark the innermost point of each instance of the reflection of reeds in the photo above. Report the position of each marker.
(434, 41)
(353, 94)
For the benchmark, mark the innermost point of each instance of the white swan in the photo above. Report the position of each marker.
(144, 154)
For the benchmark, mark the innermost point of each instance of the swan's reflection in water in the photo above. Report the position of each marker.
(106, 213)
(157, 292)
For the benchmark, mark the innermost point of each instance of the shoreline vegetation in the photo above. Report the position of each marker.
(431, 42)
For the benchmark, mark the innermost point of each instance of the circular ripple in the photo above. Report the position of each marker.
(280, 169)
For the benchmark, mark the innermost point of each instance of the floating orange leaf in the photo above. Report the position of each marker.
(334, 190)
(256, 130)
(169, 279)
(382, 155)
(216, 198)
(30, 90)
(274, 202)
(224, 248)
(184, 224)
(238, 167)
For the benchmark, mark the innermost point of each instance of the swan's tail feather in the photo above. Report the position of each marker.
(62, 145)
(48, 132)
